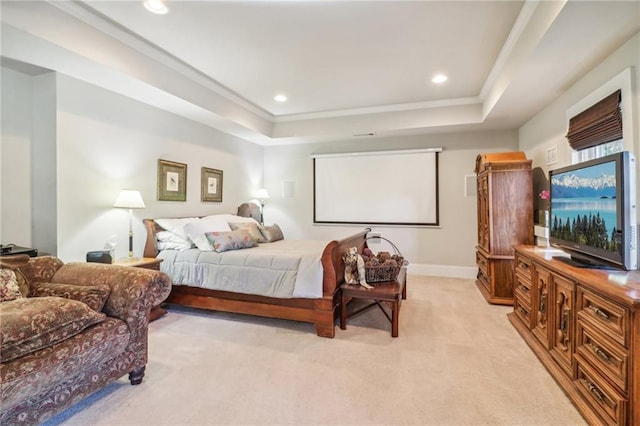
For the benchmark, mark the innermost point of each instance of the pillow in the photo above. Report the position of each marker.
(9, 289)
(14, 263)
(176, 226)
(33, 323)
(252, 228)
(233, 240)
(232, 218)
(94, 296)
(271, 233)
(196, 230)
(168, 240)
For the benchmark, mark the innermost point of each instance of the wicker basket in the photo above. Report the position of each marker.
(376, 274)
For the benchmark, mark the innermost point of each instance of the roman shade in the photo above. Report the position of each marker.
(599, 124)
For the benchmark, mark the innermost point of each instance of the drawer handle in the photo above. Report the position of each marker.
(523, 265)
(600, 353)
(593, 390)
(523, 288)
(599, 312)
(524, 311)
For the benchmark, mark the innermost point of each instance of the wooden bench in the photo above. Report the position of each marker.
(390, 292)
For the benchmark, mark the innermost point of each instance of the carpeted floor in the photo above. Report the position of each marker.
(457, 361)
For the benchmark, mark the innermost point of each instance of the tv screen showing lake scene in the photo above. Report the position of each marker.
(583, 206)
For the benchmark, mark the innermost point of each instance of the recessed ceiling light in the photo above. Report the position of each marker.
(439, 78)
(156, 6)
(280, 98)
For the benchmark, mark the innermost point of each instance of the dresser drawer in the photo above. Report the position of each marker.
(610, 405)
(608, 357)
(523, 311)
(605, 316)
(523, 290)
(523, 269)
(482, 263)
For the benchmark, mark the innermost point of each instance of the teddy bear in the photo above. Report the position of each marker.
(354, 272)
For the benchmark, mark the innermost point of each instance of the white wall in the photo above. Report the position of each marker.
(549, 127)
(449, 249)
(102, 142)
(15, 157)
(108, 142)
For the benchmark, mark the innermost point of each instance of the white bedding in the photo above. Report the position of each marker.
(282, 269)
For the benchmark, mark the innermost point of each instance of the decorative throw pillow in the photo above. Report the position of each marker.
(271, 233)
(14, 263)
(95, 296)
(234, 240)
(252, 228)
(196, 231)
(9, 289)
(30, 324)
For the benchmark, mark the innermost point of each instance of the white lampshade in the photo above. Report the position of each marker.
(262, 194)
(129, 199)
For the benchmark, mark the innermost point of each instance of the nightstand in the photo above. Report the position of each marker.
(13, 250)
(389, 292)
(147, 263)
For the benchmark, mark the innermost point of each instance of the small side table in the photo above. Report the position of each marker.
(20, 250)
(390, 292)
(147, 263)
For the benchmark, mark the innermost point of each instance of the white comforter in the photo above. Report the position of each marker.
(283, 269)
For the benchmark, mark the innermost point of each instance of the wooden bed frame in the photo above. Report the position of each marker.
(321, 312)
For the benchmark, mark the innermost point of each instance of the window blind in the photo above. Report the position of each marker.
(599, 124)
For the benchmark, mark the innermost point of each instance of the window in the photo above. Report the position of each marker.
(598, 151)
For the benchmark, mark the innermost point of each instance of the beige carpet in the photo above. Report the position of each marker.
(457, 361)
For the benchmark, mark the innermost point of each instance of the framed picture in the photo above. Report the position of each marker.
(172, 181)
(211, 185)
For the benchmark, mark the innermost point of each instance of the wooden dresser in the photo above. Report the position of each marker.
(584, 326)
(505, 218)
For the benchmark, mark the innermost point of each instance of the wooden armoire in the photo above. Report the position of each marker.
(505, 218)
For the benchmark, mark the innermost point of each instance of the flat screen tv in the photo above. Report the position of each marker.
(593, 212)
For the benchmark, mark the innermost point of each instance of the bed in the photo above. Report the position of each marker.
(318, 307)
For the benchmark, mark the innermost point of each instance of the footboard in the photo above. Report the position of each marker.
(332, 260)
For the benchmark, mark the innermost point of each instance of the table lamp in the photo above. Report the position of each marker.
(130, 199)
(262, 194)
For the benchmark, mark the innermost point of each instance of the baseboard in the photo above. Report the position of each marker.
(443, 270)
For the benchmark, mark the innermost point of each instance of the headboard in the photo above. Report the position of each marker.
(249, 210)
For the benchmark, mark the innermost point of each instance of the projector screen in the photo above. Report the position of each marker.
(377, 188)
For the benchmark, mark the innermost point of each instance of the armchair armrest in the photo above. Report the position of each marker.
(40, 269)
(134, 291)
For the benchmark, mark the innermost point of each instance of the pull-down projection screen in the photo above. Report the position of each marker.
(377, 188)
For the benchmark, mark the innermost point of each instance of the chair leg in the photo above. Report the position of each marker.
(394, 318)
(136, 375)
(343, 313)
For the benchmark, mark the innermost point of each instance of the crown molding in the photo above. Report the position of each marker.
(84, 12)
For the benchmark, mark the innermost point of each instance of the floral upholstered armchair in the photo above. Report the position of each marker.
(66, 330)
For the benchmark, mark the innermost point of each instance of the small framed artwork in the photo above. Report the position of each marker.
(552, 155)
(211, 185)
(172, 181)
